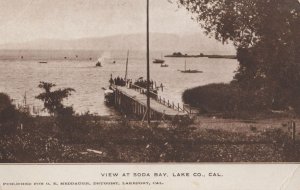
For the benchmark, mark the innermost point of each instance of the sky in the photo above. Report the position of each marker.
(27, 20)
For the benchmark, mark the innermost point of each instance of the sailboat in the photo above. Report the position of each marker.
(189, 70)
(109, 93)
(160, 61)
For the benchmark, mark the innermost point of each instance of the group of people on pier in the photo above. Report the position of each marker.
(119, 81)
(143, 83)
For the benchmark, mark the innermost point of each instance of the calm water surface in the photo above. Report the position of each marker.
(20, 76)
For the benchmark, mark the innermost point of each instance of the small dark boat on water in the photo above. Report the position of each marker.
(43, 62)
(98, 64)
(191, 71)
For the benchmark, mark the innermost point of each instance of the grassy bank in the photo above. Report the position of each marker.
(68, 137)
(98, 139)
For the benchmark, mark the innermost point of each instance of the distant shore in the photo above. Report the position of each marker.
(180, 55)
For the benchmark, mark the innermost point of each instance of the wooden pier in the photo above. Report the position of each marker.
(133, 101)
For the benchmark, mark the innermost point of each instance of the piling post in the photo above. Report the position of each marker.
(148, 67)
(293, 131)
(115, 97)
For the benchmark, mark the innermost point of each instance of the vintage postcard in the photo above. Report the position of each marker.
(149, 94)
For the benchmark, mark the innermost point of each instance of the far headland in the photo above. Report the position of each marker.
(180, 55)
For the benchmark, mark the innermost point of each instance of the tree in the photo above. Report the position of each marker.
(53, 99)
(7, 109)
(53, 103)
(9, 115)
(245, 22)
(266, 34)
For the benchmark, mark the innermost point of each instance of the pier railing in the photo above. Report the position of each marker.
(161, 100)
(186, 108)
(30, 108)
(142, 90)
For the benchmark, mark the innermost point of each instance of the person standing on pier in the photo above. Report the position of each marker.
(162, 87)
(111, 81)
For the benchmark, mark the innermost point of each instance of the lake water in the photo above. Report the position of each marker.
(18, 76)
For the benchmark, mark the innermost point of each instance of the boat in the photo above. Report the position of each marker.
(189, 70)
(159, 60)
(109, 96)
(164, 65)
(42, 61)
(98, 64)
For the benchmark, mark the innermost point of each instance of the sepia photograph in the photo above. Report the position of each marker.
(149, 81)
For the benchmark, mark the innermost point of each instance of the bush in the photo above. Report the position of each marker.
(30, 147)
(8, 115)
(227, 99)
(210, 98)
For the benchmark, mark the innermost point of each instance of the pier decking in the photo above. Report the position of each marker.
(130, 101)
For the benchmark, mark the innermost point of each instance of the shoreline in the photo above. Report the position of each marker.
(208, 56)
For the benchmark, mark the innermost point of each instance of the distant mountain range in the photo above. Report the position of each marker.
(158, 42)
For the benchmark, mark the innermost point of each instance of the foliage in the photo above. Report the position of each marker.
(228, 99)
(266, 35)
(9, 116)
(245, 22)
(136, 143)
(7, 109)
(177, 54)
(30, 147)
(53, 99)
(278, 82)
(53, 102)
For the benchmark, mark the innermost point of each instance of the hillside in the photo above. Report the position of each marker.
(158, 42)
